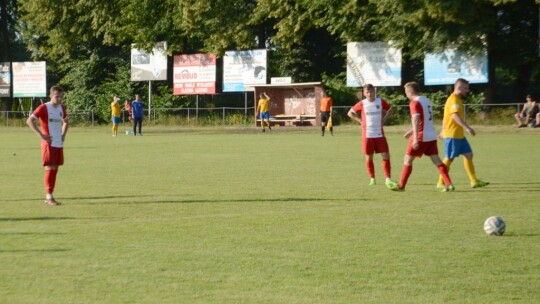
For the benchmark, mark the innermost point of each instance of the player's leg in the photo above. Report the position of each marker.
(140, 126)
(52, 158)
(471, 172)
(370, 167)
(405, 173)
(134, 126)
(443, 173)
(387, 169)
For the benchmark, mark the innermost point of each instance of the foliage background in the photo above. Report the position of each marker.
(86, 42)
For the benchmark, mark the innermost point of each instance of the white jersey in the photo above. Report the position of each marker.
(51, 121)
(422, 106)
(372, 116)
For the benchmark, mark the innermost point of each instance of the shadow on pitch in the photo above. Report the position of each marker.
(67, 199)
(33, 250)
(201, 201)
(39, 218)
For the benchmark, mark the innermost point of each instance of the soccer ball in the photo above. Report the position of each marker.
(494, 225)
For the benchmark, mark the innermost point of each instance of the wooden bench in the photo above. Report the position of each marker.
(291, 120)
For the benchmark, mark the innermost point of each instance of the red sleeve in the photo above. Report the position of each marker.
(64, 111)
(415, 107)
(40, 111)
(385, 105)
(358, 107)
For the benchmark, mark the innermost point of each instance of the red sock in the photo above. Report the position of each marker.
(444, 173)
(370, 168)
(405, 173)
(50, 180)
(386, 167)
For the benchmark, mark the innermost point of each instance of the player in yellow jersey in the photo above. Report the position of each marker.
(116, 114)
(453, 127)
(263, 107)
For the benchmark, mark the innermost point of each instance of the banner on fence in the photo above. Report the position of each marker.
(446, 67)
(377, 63)
(5, 79)
(30, 79)
(194, 74)
(243, 68)
(149, 66)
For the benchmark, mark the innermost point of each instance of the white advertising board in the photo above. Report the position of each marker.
(243, 68)
(377, 63)
(149, 66)
(30, 79)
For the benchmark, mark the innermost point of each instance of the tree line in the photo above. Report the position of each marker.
(87, 43)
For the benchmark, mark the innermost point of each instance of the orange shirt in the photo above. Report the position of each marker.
(326, 104)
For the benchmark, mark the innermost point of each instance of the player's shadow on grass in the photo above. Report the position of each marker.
(39, 218)
(67, 200)
(34, 250)
(197, 201)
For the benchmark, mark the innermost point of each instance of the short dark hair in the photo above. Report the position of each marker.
(56, 89)
(369, 86)
(461, 80)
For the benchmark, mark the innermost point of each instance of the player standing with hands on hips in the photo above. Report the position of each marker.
(54, 126)
(423, 138)
(453, 127)
(374, 112)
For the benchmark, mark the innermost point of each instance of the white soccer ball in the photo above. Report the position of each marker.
(494, 225)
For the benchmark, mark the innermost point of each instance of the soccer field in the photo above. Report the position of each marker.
(214, 215)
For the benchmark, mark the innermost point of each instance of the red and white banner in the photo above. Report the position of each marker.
(194, 74)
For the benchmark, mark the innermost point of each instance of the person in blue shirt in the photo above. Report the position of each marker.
(137, 114)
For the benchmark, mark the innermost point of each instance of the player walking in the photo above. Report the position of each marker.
(453, 126)
(423, 138)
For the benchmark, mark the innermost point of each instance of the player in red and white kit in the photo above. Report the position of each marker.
(54, 126)
(371, 113)
(423, 138)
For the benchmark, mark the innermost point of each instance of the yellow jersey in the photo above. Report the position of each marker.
(115, 109)
(264, 104)
(451, 128)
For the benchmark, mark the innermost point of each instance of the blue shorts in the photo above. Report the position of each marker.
(116, 120)
(454, 147)
(265, 115)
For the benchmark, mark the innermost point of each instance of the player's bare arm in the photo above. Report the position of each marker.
(462, 123)
(354, 116)
(31, 122)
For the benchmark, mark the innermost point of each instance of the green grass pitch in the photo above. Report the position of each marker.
(216, 215)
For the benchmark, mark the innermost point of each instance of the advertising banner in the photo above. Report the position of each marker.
(377, 63)
(194, 74)
(445, 68)
(148, 67)
(29, 79)
(5, 79)
(243, 68)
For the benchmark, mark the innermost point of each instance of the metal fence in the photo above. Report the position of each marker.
(489, 114)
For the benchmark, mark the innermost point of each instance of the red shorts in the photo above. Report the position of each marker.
(374, 145)
(51, 156)
(425, 148)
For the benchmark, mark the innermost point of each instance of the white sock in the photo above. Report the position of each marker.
(49, 196)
